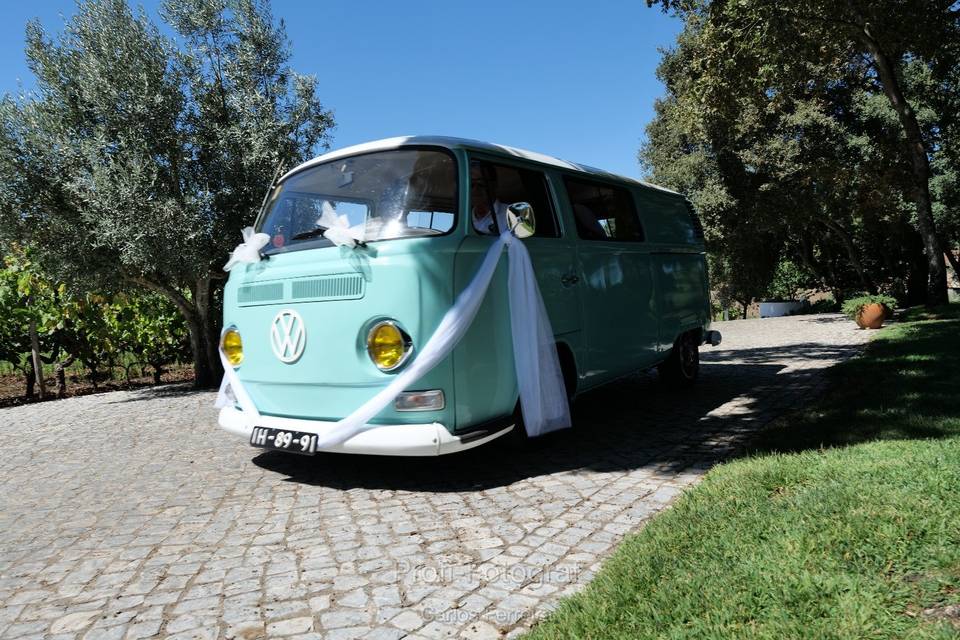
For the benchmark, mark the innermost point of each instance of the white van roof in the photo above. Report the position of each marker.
(443, 141)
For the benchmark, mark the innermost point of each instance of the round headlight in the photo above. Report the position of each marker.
(232, 346)
(388, 345)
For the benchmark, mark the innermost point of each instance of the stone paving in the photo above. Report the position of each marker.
(130, 515)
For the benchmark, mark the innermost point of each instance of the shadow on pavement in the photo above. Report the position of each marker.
(905, 390)
(174, 390)
(633, 423)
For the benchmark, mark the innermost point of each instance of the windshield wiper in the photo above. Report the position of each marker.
(313, 233)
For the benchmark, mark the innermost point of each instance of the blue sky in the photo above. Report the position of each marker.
(570, 79)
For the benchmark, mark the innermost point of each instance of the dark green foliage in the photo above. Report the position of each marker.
(826, 305)
(852, 306)
(16, 287)
(149, 328)
(139, 158)
(789, 280)
(820, 133)
(95, 331)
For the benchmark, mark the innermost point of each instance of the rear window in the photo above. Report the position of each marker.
(603, 212)
(695, 221)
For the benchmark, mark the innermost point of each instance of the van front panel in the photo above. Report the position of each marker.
(340, 293)
(486, 381)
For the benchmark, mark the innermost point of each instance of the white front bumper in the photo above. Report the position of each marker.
(431, 439)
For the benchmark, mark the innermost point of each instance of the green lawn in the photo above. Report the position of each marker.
(844, 522)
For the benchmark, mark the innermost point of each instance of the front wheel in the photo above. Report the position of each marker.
(682, 366)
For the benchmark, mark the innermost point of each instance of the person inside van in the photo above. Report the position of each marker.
(587, 223)
(488, 214)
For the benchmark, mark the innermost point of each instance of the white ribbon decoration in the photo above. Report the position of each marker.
(232, 391)
(339, 231)
(247, 251)
(543, 396)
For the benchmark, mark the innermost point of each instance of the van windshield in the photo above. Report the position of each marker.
(391, 194)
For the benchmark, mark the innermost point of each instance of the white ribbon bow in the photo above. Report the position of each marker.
(339, 231)
(247, 251)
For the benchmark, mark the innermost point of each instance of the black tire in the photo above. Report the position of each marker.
(517, 439)
(682, 366)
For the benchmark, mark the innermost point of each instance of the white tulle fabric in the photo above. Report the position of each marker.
(247, 251)
(542, 394)
(339, 231)
(232, 391)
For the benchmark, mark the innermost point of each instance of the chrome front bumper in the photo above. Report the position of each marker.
(430, 439)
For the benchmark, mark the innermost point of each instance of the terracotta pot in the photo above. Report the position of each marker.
(871, 316)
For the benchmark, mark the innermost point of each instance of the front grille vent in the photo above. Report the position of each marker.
(260, 293)
(341, 286)
(337, 287)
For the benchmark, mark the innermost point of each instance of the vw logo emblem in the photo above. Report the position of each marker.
(288, 336)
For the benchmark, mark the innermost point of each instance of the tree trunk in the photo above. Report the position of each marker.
(93, 379)
(30, 380)
(35, 358)
(208, 316)
(917, 276)
(850, 246)
(920, 165)
(61, 381)
(810, 262)
(806, 257)
(202, 325)
(204, 377)
(954, 262)
(61, 370)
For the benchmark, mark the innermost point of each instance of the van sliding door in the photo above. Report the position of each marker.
(617, 292)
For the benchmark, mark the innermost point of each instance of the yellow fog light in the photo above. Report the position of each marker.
(388, 345)
(232, 346)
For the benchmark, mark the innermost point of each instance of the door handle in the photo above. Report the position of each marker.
(569, 279)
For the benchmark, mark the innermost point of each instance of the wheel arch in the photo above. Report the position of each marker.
(568, 367)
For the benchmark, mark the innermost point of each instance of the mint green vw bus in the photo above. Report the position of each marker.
(315, 329)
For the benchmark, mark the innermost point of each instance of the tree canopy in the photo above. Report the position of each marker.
(819, 133)
(139, 157)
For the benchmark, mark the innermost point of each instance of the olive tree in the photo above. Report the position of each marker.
(138, 158)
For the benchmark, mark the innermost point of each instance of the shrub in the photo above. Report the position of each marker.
(851, 307)
(825, 305)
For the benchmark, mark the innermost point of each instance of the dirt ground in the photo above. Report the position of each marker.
(12, 386)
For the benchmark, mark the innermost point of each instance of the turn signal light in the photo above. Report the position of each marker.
(232, 347)
(431, 400)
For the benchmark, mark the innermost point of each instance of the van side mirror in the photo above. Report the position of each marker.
(520, 220)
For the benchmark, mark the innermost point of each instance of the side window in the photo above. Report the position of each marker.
(495, 186)
(603, 212)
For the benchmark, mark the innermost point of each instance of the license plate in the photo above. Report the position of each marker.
(282, 440)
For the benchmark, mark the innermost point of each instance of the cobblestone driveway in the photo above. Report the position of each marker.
(130, 515)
